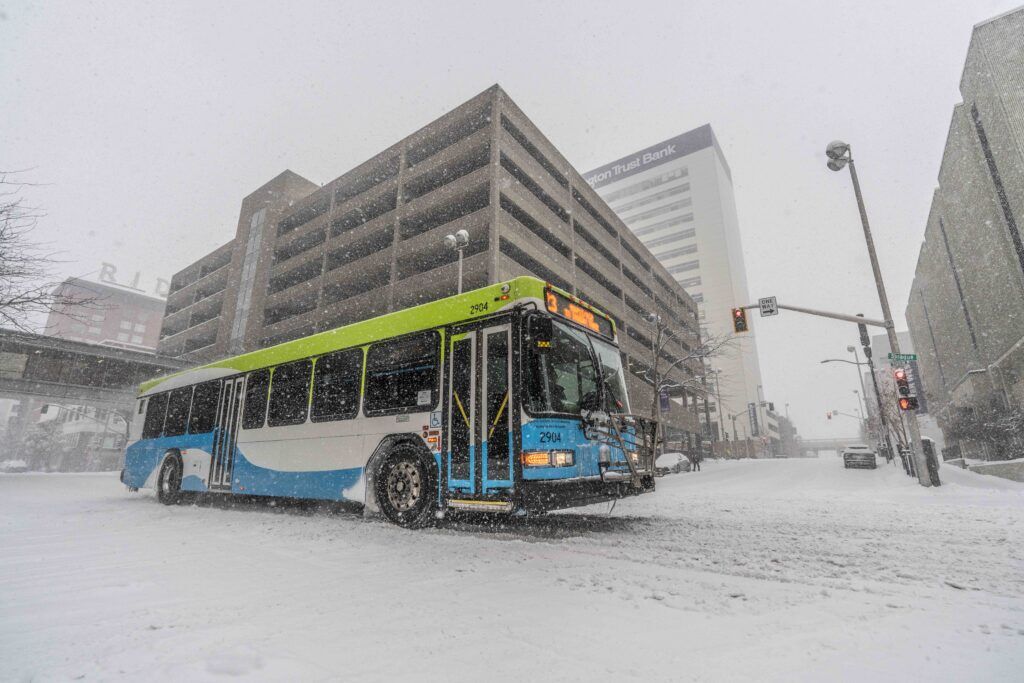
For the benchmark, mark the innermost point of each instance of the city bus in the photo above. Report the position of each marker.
(510, 399)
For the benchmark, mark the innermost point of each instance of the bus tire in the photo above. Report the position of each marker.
(406, 487)
(168, 481)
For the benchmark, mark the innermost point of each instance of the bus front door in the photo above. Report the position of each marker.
(226, 434)
(479, 415)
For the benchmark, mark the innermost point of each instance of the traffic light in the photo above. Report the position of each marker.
(908, 402)
(905, 400)
(902, 385)
(739, 320)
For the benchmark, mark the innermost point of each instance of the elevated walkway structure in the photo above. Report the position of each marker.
(50, 369)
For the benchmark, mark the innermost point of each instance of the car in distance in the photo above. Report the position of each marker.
(859, 456)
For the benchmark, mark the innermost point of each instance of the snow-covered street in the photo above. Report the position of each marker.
(781, 570)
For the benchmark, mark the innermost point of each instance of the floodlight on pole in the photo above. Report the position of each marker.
(458, 241)
(837, 149)
(840, 156)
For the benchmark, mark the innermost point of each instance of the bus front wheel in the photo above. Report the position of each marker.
(168, 482)
(406, 488)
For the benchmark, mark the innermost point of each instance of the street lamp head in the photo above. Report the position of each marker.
(837, 164)
(457, 241)
(837, 149)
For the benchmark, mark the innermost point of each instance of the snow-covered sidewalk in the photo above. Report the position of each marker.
(768, 570)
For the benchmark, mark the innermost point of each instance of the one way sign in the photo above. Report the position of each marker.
(769, 306)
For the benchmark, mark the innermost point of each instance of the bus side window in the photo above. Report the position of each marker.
(336, 383)
(204, 407)
(177, 411)
(154, 424)
(401, 375)
(255, 411)
(289, 394)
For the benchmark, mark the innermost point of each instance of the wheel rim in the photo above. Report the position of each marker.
(405, 486)
(167, 481)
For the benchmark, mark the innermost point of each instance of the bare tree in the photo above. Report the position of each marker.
(664, 363)
(27, 288)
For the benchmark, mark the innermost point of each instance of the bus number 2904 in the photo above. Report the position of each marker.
(550, 437)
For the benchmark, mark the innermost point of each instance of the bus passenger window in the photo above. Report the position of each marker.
(255, 411)
(289, 394)
(204, 408)
(401, 375)
(177, 412)
(336, 380)
(154, 424)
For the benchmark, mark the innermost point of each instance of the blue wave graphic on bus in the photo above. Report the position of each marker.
(144, 457)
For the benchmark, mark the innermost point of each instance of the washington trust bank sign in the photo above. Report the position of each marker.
(679, 146)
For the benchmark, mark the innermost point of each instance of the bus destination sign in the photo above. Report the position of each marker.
(559, 304)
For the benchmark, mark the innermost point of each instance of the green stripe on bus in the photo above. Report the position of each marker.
(435, 314)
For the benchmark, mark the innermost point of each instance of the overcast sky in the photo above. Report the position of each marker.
(149, 122)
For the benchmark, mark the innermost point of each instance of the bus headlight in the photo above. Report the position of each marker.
(563, 458)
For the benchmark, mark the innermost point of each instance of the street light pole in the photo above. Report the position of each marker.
(860, 376)
(840, 154)
(458, 241)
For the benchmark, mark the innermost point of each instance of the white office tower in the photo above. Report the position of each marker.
(677, 197)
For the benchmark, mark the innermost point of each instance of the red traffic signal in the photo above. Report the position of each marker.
(905, 400)
(739, 320)
(908, 402)
(902, 384)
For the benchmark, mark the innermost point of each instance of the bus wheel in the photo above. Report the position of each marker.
(406, 489)
(168, 482)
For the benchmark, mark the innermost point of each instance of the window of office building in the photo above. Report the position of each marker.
(662, 225)
(635, 188)
(678, 251)
(683, 267)
(656, 197)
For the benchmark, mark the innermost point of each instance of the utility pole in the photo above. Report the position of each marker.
(840, 154)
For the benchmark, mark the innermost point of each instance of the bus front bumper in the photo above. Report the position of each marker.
(543, 495)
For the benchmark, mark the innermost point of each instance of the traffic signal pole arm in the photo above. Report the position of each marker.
(827, 314)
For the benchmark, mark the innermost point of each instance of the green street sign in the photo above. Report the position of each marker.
(902, 357)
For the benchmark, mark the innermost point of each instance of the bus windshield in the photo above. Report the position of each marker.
(610, 360)
(567, 376)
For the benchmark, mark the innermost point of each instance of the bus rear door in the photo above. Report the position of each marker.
(225, 435)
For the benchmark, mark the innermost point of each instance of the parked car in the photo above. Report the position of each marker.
(859, 456)
(671, 463)
(13, 466)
